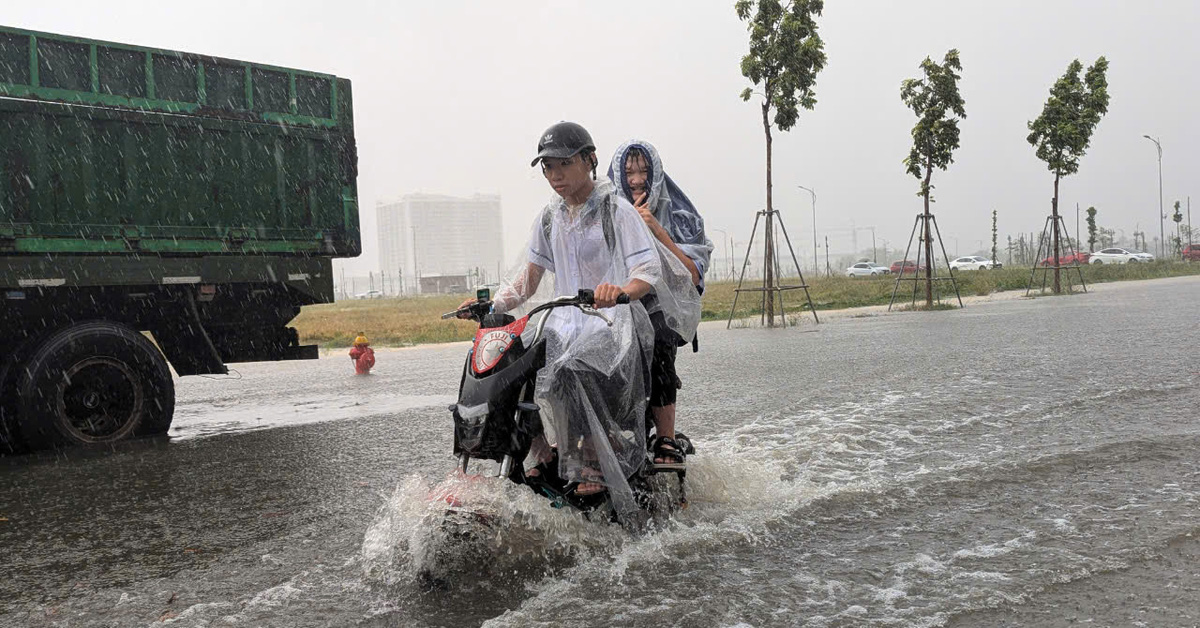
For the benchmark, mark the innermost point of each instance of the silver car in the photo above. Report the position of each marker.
(1119, 256)
(974, 262)
(866, 269)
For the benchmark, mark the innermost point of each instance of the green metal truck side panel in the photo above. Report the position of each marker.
(109, 149)
(312, 276)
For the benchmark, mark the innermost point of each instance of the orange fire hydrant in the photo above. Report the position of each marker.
(363, 355)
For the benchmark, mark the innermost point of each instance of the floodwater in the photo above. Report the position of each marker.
(1017, 463)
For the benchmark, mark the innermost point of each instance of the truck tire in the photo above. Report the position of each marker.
(16, 351)
(10, 441)
(94, 383)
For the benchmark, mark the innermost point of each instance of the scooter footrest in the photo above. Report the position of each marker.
(668, 467)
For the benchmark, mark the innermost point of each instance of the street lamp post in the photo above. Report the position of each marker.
(814, 214)
(726, 239)
(1161, 216)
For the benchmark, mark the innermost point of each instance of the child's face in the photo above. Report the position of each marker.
(636, 171)
(567, 176)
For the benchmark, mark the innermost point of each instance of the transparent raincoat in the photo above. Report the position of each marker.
(676, 296)
(594, 387)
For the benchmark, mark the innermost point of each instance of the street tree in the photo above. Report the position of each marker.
(938, 105)
(1091, 223)
(1178, 218)
(994, 235)
(786, 54)
(1062, 134)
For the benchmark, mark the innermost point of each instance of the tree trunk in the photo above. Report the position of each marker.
(1054, 219)
(928, 238)
(769, 233)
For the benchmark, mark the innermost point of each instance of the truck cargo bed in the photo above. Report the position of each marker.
(115, 149)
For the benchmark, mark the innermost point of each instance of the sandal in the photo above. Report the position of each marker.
(668, 451)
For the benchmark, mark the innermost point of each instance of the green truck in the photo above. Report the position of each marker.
(156, 207)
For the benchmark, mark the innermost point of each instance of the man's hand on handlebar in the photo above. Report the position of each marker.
(463, 312)
(608, 295)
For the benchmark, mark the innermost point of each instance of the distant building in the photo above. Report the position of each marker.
(423, 236)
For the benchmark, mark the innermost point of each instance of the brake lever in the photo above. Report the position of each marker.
(591, 311)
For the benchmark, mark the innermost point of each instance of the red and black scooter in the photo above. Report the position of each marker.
(497, 419)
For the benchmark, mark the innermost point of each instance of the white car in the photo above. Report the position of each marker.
(866, 269)
(974, 262)
(1119, 256)
(369, 294)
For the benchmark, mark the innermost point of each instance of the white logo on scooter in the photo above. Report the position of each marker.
(491, 348)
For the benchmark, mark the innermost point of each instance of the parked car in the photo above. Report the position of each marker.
(974, 262)
(866, 269)
(1191, 253)
(1120, 256)
(1068, 260)
(909, 266)
(369, 294)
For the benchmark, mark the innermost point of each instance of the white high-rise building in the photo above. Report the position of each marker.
(428, 235)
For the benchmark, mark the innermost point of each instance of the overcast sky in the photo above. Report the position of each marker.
(450, 98)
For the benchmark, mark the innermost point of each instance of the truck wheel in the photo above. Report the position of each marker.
(94, 383)
(10, 441)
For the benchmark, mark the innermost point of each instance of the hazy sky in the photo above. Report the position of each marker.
(450, 97)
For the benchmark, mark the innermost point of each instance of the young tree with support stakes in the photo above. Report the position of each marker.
(1063, 132)
(786, 54)
(1091, 223)
(939, 106)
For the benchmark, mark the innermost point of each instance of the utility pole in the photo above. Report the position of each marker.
(875, 256)
(828, 270)
(416, 262)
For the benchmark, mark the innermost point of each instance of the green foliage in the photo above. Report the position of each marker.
(1062, 134)
(939, 106)
(1091, 223)
(786, 54)
(1178, 215)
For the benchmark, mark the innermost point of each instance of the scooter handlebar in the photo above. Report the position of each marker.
(623, 299)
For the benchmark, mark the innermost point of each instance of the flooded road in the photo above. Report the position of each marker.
(1025, 462)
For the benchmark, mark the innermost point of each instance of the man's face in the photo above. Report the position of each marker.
(568, 176)
(636, 170)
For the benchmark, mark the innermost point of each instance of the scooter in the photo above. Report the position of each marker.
(497, 419)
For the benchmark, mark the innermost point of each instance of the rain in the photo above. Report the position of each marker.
(284, 338)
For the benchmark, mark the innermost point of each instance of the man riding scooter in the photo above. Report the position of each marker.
(594, 386)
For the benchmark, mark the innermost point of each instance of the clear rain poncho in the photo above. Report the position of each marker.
(594, 387)
(677, 297)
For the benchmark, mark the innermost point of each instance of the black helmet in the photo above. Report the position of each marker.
(562, 141)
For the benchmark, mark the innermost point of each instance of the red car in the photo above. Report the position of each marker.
(1066, 260)
(1191, 252)
(910, 267)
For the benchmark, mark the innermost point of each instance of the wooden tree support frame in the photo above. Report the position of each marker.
(921, 248)
(779, 289)
(1047, 240)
